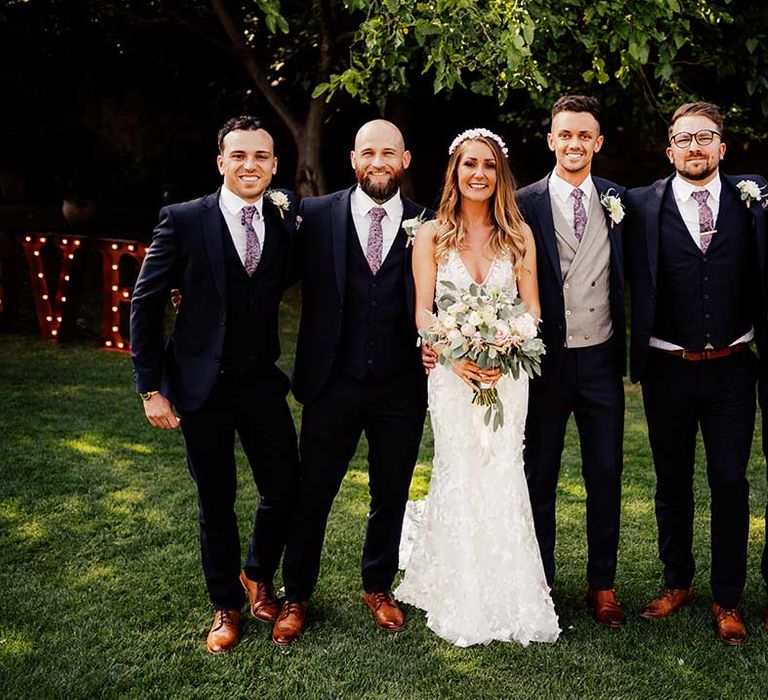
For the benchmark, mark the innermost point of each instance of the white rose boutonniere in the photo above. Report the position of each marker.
(751, 192)
(280, 200)
(410, 226)
(612, 204)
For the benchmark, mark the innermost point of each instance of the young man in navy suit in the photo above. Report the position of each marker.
(576, 222)
(358, 370)
(229, 255)
(696, 251)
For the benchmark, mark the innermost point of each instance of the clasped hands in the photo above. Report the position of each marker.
(469, 372)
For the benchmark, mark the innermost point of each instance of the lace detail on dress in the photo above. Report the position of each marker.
(471, 557)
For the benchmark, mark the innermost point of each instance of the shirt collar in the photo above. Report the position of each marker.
(683, 189)
(233, 204)
(363, 204)
(563, 189)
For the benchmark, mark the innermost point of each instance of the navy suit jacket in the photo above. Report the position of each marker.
(536, 208)
(187, 253)
(644, 206)
(322, 261)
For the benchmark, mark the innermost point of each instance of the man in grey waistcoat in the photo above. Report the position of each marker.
(576, 222)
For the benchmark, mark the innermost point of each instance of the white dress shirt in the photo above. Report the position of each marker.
(361, 205)
(560, 195)
(231, 205)
(689, 207)
(689, 211)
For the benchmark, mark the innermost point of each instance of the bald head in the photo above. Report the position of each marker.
(379, 130)
(379, 159)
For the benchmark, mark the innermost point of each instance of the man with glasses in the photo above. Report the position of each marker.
(695, 249)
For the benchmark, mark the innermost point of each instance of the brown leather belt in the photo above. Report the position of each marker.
(707, 354)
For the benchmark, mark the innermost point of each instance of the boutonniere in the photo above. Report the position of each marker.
(280, 200)
(410, 226)
(751, 192)
(612, 204)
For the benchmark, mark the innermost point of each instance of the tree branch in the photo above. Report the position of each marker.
(248, 59)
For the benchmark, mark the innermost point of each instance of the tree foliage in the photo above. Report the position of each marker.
(645, 56)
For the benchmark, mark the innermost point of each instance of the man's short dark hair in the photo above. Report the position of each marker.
(578, 103)
(242, 123)
(698, 109)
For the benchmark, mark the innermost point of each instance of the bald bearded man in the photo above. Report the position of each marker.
(357, 370)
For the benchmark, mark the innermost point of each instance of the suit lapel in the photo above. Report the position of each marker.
(652, 224)
(758, 219)
(341, 215)
(614, 230)
(411, 210)
(543, 208)
(213, 230)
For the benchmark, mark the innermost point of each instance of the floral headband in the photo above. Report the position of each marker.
(476, 133)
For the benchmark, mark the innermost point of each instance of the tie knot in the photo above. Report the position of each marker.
(248, 213)
(377, 214)
(701, 196)
(577, 194)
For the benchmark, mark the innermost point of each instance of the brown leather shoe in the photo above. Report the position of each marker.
(290, 622)
(606, 607)
(265, 605)
(668, 601)
(730, 628)
(224, 632)
(385, 611)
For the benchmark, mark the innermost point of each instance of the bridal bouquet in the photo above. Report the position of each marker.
(490, 328)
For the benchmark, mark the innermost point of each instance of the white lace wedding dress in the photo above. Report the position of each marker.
(469, 549)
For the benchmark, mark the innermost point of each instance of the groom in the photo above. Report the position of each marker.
(576, 222)
(696, 254)
(228, 254)
(357, 371)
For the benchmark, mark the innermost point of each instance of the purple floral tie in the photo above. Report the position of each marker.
(706, 219)
(579, 214)
(249, 214)
(375, 239)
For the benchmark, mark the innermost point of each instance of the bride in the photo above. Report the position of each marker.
(474, 565)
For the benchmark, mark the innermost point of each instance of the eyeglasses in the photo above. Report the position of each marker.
(703, 137)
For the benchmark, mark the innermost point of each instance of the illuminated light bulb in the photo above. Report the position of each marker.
(114, 309)
(70, 256)
(54, 332)
(42, 239)
(58, 319)
(114, 267)
(115, 329)
(108, 343)
(114, 246)
(114, 287)
(40, 275)
(77, 242)
(121, 345)
(45, 297)
(125, 294)
(64, 241)
(66, 278)
(130, 247)
(49, 318)
(63, 300)
(28, 239)
(37, 252)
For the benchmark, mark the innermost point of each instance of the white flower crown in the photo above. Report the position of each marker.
(476, 133)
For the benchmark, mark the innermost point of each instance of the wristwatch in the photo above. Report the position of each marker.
(147, 395)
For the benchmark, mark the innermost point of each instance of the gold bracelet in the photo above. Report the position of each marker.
(147, 395)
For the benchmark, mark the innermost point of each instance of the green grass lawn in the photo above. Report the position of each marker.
(102, 595)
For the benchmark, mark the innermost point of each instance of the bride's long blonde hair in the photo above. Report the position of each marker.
(508, 238)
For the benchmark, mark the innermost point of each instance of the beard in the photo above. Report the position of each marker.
(380, 191)
(698, 173)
